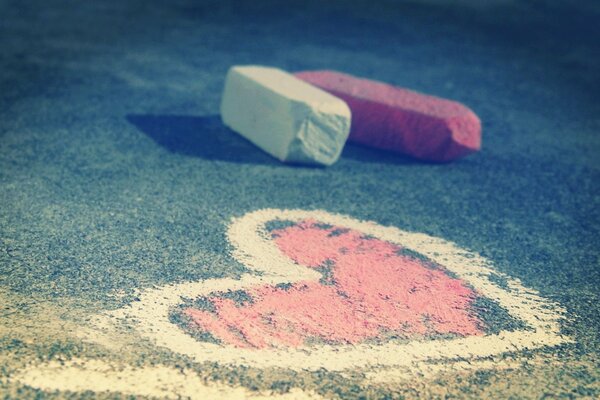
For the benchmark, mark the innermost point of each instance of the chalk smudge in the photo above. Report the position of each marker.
(158, 381)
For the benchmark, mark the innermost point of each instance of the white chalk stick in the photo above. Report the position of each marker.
(286, 117)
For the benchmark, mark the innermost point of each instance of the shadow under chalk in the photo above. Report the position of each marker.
(207, 137)
(375, 156)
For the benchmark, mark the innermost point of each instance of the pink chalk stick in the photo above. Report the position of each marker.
(392, 118)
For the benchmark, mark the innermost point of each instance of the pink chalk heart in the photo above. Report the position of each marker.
(369, 289)
(324, 291)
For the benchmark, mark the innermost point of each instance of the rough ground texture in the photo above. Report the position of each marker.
(116, 173)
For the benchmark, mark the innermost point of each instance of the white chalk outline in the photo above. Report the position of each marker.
(254, 248)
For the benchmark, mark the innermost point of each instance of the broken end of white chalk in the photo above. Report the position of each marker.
(288, 118)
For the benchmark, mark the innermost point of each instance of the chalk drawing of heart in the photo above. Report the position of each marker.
(329, 291)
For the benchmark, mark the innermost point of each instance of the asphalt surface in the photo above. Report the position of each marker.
(117, 174)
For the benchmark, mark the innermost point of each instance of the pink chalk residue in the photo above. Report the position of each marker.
(369, 289)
